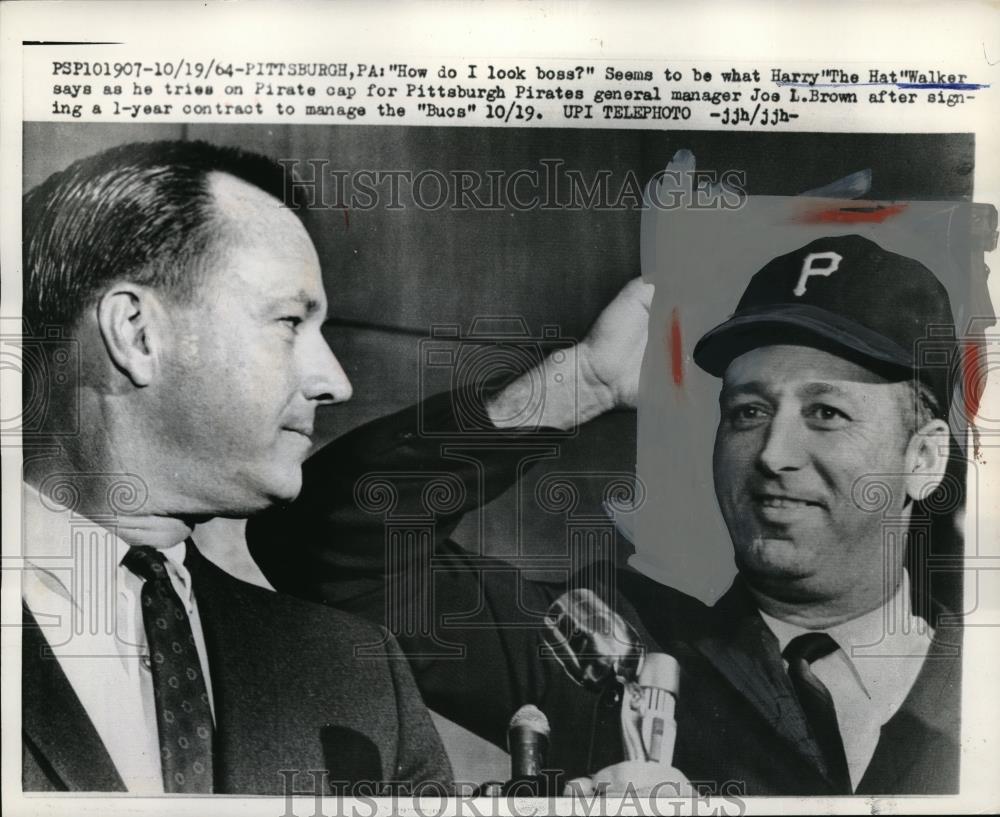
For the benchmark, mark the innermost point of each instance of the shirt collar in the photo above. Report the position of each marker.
(891, 634)
(48, 534)
(864, 630)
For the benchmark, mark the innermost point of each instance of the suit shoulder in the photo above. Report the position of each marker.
(339, 621)
(226, 595)
(662, 614)
(334, 622)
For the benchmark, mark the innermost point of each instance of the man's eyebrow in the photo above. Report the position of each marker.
(739, 389)
(809, 390)
(300, 298)
(820, 388)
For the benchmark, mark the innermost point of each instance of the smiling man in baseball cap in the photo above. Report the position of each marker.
(821, 409)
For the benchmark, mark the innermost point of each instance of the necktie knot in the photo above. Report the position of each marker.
(146, 562)
(809, 647)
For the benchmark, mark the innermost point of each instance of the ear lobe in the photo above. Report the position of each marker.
(926, 459)
(125, 317)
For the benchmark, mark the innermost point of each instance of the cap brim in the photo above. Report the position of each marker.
(792, 323)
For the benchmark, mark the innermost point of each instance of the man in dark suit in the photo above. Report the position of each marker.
(815, 673)
(184, 303)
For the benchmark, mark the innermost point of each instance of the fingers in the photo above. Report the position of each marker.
(853, 186)
(679, 183)
(676, 178)
(679, 170)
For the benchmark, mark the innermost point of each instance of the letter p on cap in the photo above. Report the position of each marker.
(808, 268)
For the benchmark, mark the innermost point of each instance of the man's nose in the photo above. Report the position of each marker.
(325, 380)
(783, 447)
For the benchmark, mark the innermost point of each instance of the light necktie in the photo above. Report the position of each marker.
(817, 703)
(183, 713)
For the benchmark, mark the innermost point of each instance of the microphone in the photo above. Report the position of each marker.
(594, 645)
(527, 742)
(659, 682)
(600, 650)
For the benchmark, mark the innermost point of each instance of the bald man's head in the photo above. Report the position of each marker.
(243, 214)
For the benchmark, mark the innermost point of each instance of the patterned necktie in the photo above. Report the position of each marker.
(183, 714)
(817, 703)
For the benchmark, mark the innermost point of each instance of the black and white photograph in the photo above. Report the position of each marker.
(480, 461)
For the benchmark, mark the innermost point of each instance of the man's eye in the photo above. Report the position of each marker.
(746, 415)
(291, 320)
(827, 416)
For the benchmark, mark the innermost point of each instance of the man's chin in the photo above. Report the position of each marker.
(288, 495)
(284, 490)
(772, 558)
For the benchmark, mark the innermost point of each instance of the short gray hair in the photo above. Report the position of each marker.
(918, 405)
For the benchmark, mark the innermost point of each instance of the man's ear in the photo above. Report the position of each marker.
(926, 459)
(130, 317)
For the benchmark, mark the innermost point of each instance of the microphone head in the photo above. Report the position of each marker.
(527, 742)
(595, 646)
(532, 718)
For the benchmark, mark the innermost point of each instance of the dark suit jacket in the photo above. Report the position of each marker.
(739, 723)
(289, 694)
(738, 718)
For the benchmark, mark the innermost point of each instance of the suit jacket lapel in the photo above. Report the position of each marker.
(742, 648)
(237, 631)
(920, 745)
(55, 722)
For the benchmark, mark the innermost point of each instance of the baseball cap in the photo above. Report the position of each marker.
(844, 294)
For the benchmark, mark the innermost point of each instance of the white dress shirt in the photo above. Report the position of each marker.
(88, 608)
(869, 677)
